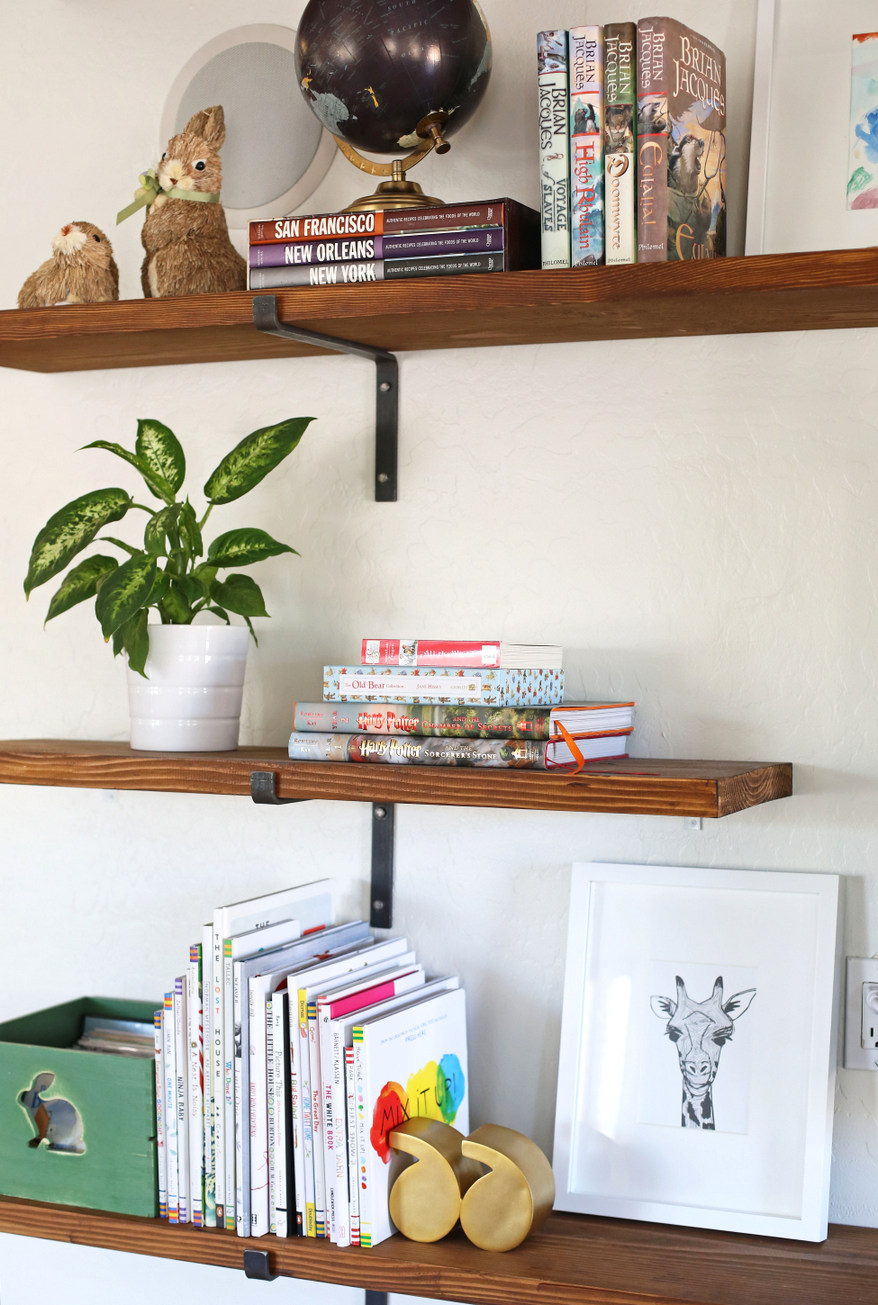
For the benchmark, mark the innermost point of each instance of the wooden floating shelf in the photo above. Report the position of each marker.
(776, 292)
(571, 1260)
(632, 786)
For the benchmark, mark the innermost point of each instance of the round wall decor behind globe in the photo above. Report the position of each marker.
(372, 69)
(275, 153)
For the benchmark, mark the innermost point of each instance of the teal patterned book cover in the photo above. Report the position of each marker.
(452, 684)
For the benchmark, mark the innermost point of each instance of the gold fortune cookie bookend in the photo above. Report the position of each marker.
(425, 1198)
(502, 1207)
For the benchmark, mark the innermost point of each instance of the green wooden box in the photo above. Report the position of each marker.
(101, 1150)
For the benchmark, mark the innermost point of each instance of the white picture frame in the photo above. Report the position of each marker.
(621, 1148)
(798, 169)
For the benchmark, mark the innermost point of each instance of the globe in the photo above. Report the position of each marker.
(372, 70)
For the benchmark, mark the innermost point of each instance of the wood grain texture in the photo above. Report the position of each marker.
(634, 786)
(776, 292)
(571, 1260)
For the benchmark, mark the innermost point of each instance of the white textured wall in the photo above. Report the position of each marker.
(693, 520)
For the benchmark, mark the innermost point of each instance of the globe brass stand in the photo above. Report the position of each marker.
(399, 193)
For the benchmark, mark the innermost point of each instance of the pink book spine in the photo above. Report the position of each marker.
(430, 652)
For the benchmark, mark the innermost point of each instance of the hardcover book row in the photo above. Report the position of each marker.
(285, 1055)
(631, 144)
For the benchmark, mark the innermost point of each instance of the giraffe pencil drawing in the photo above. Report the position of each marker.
(700, 1030)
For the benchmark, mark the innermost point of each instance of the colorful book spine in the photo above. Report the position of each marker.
(406, 750)
(181, 1071)
(353, 1174)
(529, 687)
(207, 1041)
(432, 720)
(586, 146)
(170, 1090)
(554, 148)
(681, 152)
(161, 1149)
(195, 1097)
(361, 273)
(369, 248)
(325, 226)
(461, 652)
(620, 198)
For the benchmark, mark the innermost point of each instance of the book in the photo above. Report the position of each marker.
(481, 722)
(554, 148)
(170, 1106)
(209, 1158)
(280, 1138)
(264, 278)
(353, 1173)
(309, 904)
(586, 45)
(371, 955)
(514, 217)
(681, 148)
(620, 69)
(243, 946)
(532, 686)
(304, 950)
(181, 1092)
(407, 750)
(195, 1090)
(332, 1008)
(412, 1062)
(460, 652)
(161, 1150)
(418, 244)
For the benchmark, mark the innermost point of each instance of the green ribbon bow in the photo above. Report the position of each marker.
(149, 189)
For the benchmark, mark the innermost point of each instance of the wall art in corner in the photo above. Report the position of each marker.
(697, 1065)
(862, 187)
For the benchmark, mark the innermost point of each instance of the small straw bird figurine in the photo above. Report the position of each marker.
(82, 270)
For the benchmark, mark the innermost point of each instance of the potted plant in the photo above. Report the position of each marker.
(185, 680)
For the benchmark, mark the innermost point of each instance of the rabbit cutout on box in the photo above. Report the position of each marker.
(56, 1119)
(82, 270)
(188, 250)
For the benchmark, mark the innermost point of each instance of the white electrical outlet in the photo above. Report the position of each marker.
(861, 1013)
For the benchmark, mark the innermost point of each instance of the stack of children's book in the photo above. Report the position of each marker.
(498, 235)
(457, 703)
(285, 1055)
(632, 144)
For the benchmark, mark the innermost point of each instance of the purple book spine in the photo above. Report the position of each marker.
(419, 245)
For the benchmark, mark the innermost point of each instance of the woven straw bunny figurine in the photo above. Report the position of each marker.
(185, 235)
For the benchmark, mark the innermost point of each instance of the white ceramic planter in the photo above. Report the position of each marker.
(191, 700)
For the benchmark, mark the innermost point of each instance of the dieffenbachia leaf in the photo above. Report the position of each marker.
(238, 593)
(241, 547)
(252, 459)
(124, 592)
(155, 483)
(162, 452)
(133, 639)
(120, 543)
(190, 531)
(82, 582)
(70, 530)
(161, 532)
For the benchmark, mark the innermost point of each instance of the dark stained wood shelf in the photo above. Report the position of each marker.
(632, 786)
(571, 1260)
(775, 292)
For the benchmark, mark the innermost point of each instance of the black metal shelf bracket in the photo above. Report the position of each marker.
(376, 1297)
(263, 791)
(381, 900)
(265, 318)
(256, 1266)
